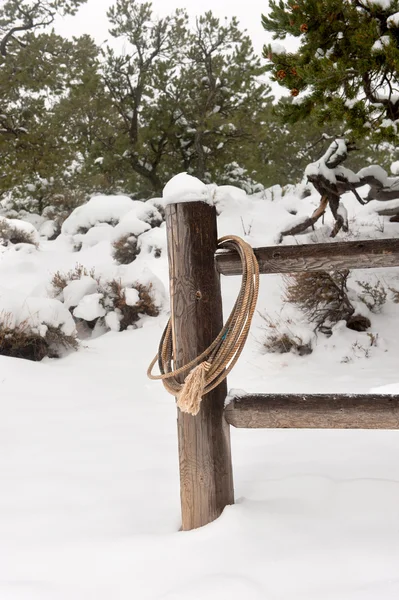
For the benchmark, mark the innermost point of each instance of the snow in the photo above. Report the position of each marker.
(48, 229)
(89, 504)
(277, 48)
(130, 225)
(112, 320)
(319, 167)
(132, 296)
(374, 171)
(38, 313)
(99, 209)
(23, 226)
(75, 291)
(185, 188)
(99, 233)
(393, 20)
(385, 4)
(381, 43)
(90, 308)
(395, 168)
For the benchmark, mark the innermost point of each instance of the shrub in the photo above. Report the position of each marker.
(323, 298)
(154, 217)
(23, 342)
(14, 235)
(126, 303)
(373, 296)
(281, 339)
(62, 205)
(114, 298)
(125, 249)
(60, 280)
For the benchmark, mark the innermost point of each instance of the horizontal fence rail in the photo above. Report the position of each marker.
(314, 411)
(315, 257)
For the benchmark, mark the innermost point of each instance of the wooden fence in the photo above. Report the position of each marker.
(195, 266)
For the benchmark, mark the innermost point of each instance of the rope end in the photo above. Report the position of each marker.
(189, 399)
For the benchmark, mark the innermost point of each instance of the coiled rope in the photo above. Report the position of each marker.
(208, 369)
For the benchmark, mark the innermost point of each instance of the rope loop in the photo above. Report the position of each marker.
(212, 366)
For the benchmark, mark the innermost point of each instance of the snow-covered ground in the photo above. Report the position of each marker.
(89, 502)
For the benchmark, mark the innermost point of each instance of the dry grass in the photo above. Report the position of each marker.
(283, 342)
(281, 339)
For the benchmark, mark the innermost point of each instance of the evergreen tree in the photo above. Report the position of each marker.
(36, 69)
(222, 98)
(347, 63)
(188, 99)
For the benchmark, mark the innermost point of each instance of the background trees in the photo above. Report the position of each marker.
(188, 95)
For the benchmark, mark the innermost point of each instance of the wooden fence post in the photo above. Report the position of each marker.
(206, 480)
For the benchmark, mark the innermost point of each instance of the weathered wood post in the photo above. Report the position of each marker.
(206, 479)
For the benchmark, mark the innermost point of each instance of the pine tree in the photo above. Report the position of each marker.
(347, 63)
(188, 97)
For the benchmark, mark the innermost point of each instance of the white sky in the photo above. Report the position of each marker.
(92, 16)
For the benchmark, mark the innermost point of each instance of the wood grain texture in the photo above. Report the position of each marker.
(206, 480)
(315, 411)
(316, 257)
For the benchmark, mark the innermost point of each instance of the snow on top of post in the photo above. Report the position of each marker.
(185, 188)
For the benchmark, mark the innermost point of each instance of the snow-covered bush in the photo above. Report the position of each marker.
(111, 218)
(23, 342)
(104, 304)
(99, 209)
(61, 280)
(126, 304)
(33, 328)
(61, 207)
(14, 231)
(127, 235)
(153, 242)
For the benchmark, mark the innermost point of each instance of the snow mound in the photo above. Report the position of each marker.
(99, 209)
(102, 232)
(37, 313)
(23, 227)
(90, 308)
(130, 224)
(153, 242)
(76, 289)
